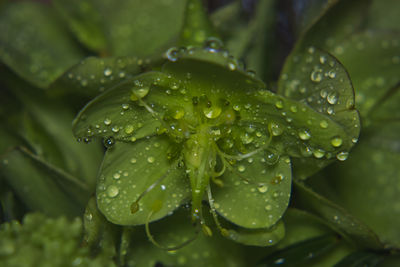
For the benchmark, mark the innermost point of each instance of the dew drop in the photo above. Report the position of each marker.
(172, 54)
(332, 74)
(241, 168)
(133, 160)
(318, 153)
(275, 129)
(129, 129)
(323, 124)
(112, 191)
(332, 98)
(107, 72)
(138, 93)
(262, 188)
(107, 121)
(304, 135)
(316, 76)
(342, 156)
(109, 142)
(268, 207)
(150, 159)
(116, 176)
(178, 113)
(336, 141)
(279, 104)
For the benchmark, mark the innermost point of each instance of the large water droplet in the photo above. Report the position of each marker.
(275, 129)
(212, 112)
(112, 191)
(304, 135)
(342, 156)
(262, 188)
(336, 141)
(316, 76)
(107, 72)
(332, 98)
(150, 159)
(173, 54)
(109, 142)
(138, 93)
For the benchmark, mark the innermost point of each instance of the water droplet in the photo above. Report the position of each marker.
(322, 59)
(271, 158)
(150, 159)
(316, 76)
(246, 138)
(323, 124)
(125, 106)
(332, 97)
(354, 140)
(213, 44)
(109, 142)
(304, 135)
(279, 104)
(318, 153)
(107, 121)
(332, 74)
(275, 129)
(342, 156)
(107, 72)
(336, 141)
(178, 113)
(212, 112)
(173, 54)
(129, 129)
(268, 207)
(117, 175)
(293, 109)
(138, 93)
(241, 168)
(133, 160)
(262, 188)
(112, 191)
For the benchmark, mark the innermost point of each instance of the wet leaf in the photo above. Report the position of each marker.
(156, 23)
(173, 231)
(367, 185)
(301, 253)
(34, 44)
(338, 218)
(317, 79)
(43, 187)
(255, 193)
(93, 75)
(84, 21)
(371, 81)
(130, 169)
(359, 259)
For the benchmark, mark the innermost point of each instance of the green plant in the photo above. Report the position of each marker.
(207, 162)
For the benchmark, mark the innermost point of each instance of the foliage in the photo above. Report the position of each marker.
(192, 157)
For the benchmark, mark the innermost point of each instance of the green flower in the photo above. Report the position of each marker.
(202, 129)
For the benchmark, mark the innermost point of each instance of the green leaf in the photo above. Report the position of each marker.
(173, 231)
(43, 187)
(255, 193)
(386, 109)
(93, 75)
(258, 237)
(301, 253)
(383, 14)
(360, 259)
(34, 44)
(367, 185)
(338, 218)
(84, 21)
(140, 28)
(317, 79)
(371, 81)
(115, 114)
(130, 169)
(196, 25)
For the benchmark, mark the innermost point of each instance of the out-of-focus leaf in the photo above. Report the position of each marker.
(255, 194)
(338, 218)
(308, 12)
(140, 28)
(386, 109)
(367, 185)
(300, 253)
(196, 25)
(41, 186)
(99, 234)
(42, 241)
(94, 75)
(84, 21)
(383, 14)
(262, 44)
(174, 231)
(317, 79)
(360, 259)
(371, 81)
(34, 44)
(130, 169)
